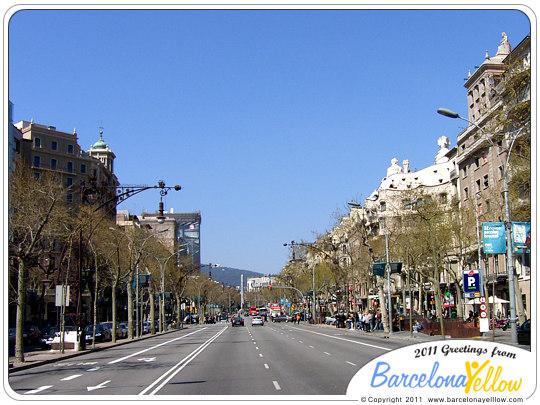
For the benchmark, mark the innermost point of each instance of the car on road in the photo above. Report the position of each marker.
(257, 320)
(237, 320)
(524, 333)
(280, 318)
(103, 333)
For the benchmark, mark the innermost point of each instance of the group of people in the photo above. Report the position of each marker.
(368, 321)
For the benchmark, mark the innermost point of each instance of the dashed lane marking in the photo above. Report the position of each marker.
(276, 385)
(71, 377)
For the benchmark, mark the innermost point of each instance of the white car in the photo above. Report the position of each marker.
(257, 320)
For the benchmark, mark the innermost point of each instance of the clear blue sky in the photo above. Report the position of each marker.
(269, 120)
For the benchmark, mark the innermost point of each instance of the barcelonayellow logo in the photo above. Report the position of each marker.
(453, 368)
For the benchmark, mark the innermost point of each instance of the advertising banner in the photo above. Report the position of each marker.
(494, 237)
(521, 237)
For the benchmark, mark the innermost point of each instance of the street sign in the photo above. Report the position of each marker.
(395, 267)
(471, 283)
(62, 291)
(379, 268)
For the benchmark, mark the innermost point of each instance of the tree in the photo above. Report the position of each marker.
(37, 215)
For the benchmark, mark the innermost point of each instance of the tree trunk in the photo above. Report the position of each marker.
(130, 310)
(21, 306)
(382, 303)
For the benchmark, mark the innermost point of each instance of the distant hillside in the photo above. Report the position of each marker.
(230, 276)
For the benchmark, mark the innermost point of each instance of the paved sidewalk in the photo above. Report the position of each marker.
(500, 335)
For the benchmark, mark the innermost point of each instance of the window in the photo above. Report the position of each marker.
(83, 168)
(484, 158)
(37, 143)
(37, 161)
(383, 206)
(53, 164)
(69, 182)
(69, 167)
(478, 185)
(464, 171)
(70, 149)
(486, 181)
(36, 175)
(466, 192)
(54, 145)
(477, 162)
(70, 197)
(444, 198)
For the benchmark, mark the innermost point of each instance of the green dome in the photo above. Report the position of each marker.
(100, 144)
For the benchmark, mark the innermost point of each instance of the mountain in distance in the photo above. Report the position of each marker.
(230, 276)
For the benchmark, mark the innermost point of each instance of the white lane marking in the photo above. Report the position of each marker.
(260, 355)
(346, 340)
(94, 369)
(153, 347)
(42, 388)
(99, 386)
(167, 376)
(71, 377)
(311, 346)
(256, 348)
(147, 359)
(276, 385)
(352, 364)
(266, 365)
(300, 341)
(327, 353)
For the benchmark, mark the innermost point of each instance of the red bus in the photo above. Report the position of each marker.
(253, 311)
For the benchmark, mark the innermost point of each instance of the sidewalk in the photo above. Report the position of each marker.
(500, 335)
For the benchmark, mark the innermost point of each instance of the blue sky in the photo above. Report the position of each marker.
(270, 120)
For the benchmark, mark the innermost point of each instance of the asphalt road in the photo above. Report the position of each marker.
(274, 359)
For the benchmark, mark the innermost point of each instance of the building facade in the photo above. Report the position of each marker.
(59, 152)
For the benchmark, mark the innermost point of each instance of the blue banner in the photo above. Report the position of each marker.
(521, 237)
(494, 237)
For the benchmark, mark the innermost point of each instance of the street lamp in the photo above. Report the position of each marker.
(354, 204)
(508, 225)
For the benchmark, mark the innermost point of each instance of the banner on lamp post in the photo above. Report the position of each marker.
(521, 237)
(494, 237)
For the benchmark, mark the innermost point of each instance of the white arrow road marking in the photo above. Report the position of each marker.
(71, 377)
(99, 386)
(153, 347)
(44, 387)
(147, 359)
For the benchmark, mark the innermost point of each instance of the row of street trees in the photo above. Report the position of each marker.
(53, 242)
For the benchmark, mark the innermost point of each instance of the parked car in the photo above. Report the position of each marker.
(237, 320)
(123, 327)
(191, 319)
(145, 328)
(524, 333)
(12, 337)
(31, 335)
(120, 333)
(257, 320)
(48, 336)
(103, 333)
